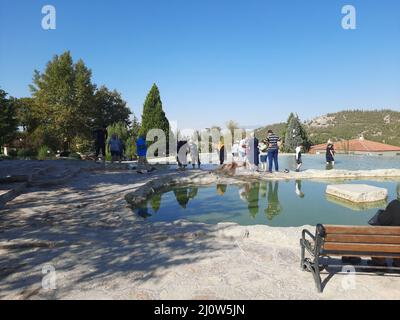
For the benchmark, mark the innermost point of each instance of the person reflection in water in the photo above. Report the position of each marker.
(274, 207)
(249, 193)
(183, 195)
(298, 189)
(143, 210)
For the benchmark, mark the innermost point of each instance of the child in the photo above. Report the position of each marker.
(263, 147)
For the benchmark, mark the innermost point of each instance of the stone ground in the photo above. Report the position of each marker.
(101, 250)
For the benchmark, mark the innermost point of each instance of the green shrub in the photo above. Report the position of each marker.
(12, 153)
(26, 153)
(75, 156)
(43, 153)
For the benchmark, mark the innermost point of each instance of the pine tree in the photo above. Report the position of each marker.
(153, 116)
(295, 135)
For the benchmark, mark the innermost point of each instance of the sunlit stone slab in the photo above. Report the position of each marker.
(359, 193)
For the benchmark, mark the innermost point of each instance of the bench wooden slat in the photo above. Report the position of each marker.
(362, 247)
(376, 239)
(361, 254)
(360, 230)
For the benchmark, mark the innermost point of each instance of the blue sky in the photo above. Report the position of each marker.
(252, 61)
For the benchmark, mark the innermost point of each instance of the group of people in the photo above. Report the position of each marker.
(185, 149)
(258, 155)
(115, 145)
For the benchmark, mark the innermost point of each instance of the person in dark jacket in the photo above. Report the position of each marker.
(254, 153)
(330, 153)
(388, 217)
(100, 138)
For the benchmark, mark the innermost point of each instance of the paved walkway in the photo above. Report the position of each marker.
(100, 249)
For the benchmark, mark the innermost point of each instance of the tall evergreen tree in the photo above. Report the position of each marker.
(153, 116)
(295, 135)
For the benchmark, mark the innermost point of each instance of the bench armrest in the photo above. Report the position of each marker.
(306, 243)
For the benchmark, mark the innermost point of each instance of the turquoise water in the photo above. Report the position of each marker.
(274, 203)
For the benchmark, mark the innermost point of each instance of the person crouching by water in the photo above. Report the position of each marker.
(389, 217)
(330, 153)
(115, 147)
(299, 161)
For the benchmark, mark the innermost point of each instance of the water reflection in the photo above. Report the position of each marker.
(274, 206)
(221, 189)
(183, 195)
(298, 189)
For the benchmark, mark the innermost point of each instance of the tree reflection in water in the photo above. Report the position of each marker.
(183, 195)
(221, 189)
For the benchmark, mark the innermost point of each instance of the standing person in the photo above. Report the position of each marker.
(330, 153)
(273, 150)
(299, 161)
(194, 154)
(114, 145)
(263, 147)
(141, 149)
(253, 156)
(182, 149)
(235, 151)
(242, 149)
(221, 152)
(100, 137)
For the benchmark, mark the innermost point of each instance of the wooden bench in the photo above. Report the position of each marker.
(349, 241)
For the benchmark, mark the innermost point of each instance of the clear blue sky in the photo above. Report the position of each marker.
(252, 61)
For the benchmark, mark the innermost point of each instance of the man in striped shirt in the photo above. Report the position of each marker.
(273, 150)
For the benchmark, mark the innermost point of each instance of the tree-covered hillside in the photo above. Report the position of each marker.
(378, 125)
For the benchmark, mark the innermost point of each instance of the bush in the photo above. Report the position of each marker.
(75, 156)
(12, 153)
(43, 153)
(26, 153)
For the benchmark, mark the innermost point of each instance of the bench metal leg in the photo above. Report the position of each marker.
(317, 275)
(303, 249)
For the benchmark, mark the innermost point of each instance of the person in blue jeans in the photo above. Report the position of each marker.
(273, 150)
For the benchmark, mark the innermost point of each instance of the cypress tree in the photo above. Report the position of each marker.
(153, 116)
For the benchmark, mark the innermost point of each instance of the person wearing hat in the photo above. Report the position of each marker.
(330, 153)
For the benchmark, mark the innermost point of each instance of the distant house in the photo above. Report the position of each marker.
(359, 146)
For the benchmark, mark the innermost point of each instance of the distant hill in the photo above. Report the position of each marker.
(277, 128)
(379, 125)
